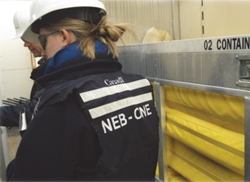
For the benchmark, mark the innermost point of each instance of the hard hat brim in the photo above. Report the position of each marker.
(39, 9)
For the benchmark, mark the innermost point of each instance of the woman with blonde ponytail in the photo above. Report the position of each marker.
(88, 34)
(93, 122)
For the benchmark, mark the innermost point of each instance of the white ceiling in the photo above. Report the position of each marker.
(15, 0)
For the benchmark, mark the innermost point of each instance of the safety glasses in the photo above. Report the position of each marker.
(43, 38)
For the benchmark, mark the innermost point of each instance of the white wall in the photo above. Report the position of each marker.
(224, 18)
(220, 18)
(190, 19)
(182, 18)
(15, 60)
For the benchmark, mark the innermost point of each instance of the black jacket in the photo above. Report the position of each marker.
(10, 115)
(93, 122)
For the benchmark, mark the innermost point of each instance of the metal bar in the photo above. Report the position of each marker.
(2, 166)
(4, 153)
(207, 88)
(23, 98)
(19, 101)
(247, 139)
(6, 146)
(16, 99)
(4, 150)
(8, 103)
(160, 107)
(12, 100)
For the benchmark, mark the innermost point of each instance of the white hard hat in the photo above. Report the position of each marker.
(44, 12)
(21, 21)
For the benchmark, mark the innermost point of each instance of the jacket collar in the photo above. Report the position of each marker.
(82, 66)
(70, 52)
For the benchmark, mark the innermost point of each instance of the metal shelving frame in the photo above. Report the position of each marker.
(200, 64)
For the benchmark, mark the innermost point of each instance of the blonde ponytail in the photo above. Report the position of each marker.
(107, 34)
(88, 34)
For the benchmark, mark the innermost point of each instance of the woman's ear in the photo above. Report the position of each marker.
(66, 40)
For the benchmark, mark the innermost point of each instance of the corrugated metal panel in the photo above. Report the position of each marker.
(187, 61)
(142, 14)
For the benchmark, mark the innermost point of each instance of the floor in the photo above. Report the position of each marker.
(14, 139)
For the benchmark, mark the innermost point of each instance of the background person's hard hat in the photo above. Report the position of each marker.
(44, 12)
(21, 21)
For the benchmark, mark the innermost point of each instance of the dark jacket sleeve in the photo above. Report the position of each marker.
(9, 115)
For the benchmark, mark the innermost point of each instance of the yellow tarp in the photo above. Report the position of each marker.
(223, 110)
(194, 166)
(208, 134)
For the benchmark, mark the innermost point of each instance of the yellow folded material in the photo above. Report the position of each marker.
(196, 167)
(219, 144)
(172, 175)
(223, 110)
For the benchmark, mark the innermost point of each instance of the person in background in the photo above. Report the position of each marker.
(20, 115)
(35, 49)
(93, 122)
